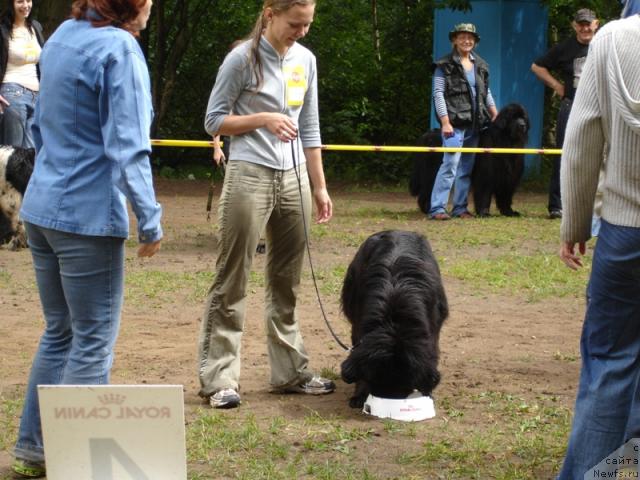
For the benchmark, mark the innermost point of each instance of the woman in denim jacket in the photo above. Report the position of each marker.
(21, 42)
(91, 134)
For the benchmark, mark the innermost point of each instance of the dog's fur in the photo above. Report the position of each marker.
(16, 166)
(394, 299)
(493, 174)
(500, 174)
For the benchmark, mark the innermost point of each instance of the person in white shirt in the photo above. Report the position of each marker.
(21, 42)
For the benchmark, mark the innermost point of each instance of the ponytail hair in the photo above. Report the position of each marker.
(277, 7)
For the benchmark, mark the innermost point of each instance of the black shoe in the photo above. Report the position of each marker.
(555, 214)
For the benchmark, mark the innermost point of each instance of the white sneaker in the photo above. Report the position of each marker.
(225, 398)
(315, 386)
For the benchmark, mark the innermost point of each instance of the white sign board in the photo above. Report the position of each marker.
(113, 432)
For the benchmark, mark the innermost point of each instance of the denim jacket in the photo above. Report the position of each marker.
(91, 132)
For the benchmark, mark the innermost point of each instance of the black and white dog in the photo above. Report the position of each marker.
(394, 299)
(16, 166)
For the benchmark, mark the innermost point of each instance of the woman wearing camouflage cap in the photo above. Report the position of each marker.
(463, 104)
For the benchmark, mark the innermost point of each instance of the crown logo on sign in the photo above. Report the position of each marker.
(112, 399)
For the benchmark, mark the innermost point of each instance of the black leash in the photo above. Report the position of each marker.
(306, 238)
(211, 185)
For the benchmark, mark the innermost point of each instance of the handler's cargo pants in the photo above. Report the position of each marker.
(254, 199)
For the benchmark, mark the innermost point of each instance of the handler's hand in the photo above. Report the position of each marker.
(324, 207)
(281, 126)
(447, 131)
(218, 155)
(149, 249)
(568, 255)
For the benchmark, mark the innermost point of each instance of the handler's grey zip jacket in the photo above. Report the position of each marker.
(289, 87)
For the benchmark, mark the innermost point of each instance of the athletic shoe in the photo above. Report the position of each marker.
(28, 469)
(553, 214)
(315, 386)
(225, 398)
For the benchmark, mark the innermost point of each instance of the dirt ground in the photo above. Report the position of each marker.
(489, 342)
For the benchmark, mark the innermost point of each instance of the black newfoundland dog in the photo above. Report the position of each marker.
(16, 166)
(493, 174)
(394, 299)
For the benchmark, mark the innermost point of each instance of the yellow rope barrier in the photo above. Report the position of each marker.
(373, 148)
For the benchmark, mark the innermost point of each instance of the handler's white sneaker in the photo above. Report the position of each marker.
(317, 385)
(225, 398)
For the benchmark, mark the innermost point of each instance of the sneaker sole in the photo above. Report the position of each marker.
(226, 405)
(28, 472)
(306, 392)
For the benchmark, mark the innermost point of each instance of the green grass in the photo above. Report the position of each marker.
(536, 277)
(521, 442)
(10, 408)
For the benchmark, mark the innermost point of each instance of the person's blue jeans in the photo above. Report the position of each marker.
(18, 117)
(607, 410)
(455, 171)
(80, 280)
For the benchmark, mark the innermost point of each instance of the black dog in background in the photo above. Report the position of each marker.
(16, 166)
(394, 299)
(493, 174)
(499, 174)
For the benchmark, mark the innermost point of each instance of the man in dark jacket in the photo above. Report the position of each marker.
(567, 59)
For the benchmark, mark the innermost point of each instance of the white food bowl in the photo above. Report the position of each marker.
(414, 408)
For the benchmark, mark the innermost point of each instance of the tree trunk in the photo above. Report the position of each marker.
(376, 30)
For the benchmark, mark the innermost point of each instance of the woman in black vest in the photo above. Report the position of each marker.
(21, 40)
(463, 104)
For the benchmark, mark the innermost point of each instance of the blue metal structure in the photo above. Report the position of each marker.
(513, 33)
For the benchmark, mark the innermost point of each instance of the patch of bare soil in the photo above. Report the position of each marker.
(489, 343)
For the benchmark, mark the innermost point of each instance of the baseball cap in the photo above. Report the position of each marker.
(584, 15)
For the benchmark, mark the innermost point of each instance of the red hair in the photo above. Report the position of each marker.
(117, 13)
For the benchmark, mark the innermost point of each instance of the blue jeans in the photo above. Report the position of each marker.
(80, 280)
(18, 116)
(607, 410)
(455, 166)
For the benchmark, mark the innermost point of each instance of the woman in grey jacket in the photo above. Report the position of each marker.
(605, 121)
(269, 83)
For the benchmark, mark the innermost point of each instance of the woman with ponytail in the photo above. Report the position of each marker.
(265, 98)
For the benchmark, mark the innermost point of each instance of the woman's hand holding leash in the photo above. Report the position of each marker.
(281, 126)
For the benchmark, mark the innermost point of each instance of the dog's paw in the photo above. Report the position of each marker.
(357, 401)
(16, 244)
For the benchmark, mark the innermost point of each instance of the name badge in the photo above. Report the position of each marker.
(296, 82)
